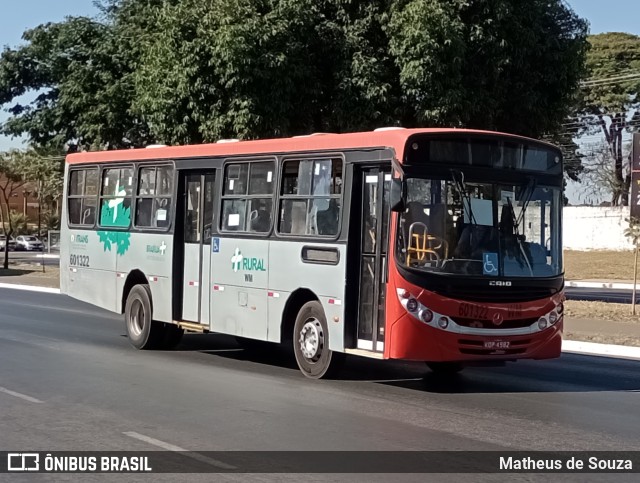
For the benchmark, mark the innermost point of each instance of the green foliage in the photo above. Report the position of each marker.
(80, 76)
(633, 230)
(613, 55)
(51, 220)
(188, 71)
(493, 64)
(19, 221)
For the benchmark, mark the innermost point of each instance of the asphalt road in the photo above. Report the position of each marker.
(69, 380)
(600, 294)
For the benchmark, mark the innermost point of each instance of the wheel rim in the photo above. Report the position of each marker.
(136, 319)
(311, 340)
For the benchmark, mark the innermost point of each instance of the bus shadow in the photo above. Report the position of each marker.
(570, 373)
(227, 347)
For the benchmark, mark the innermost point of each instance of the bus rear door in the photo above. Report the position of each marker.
(198, 216)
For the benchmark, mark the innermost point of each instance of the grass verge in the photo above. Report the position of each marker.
(599, 264)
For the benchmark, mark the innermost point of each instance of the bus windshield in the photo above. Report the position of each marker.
(490, 229)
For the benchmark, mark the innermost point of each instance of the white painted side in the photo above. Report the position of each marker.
(595, 228)
(191, 291)
(606, 350)
(205, 285)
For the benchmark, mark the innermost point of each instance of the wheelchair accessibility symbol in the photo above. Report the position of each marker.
(490, 263)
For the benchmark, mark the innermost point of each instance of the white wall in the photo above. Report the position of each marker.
(595, 228)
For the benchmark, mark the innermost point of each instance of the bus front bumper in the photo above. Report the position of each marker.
(409, 339)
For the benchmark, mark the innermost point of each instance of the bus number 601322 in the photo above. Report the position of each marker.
(473, 311)
(79, 260)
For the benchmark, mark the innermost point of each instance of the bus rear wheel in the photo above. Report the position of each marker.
(143, 332)
(445, 368)
(311, 343)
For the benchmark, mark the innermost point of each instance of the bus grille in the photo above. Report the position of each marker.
(488, 324)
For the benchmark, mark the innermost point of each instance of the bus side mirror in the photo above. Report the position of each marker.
(397, 195)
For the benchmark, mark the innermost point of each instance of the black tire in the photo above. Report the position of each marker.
(445, 368)
(143, 332)
(311, 343)
(172, 337)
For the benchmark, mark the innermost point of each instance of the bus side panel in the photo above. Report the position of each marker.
(151, 254)
(88, 262)
(323, 273)
(239, 287)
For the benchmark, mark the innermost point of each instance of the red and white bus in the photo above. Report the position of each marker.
(435, 245)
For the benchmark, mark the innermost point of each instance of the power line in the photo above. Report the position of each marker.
(615, 79)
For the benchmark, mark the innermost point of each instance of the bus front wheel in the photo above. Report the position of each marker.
(311, 343)
(142, 331)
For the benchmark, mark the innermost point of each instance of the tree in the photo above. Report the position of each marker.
(81, 80)
(492, 64)
(188, 71)
(611, 101)
(14, 169)
(599, 174)
(45, 178)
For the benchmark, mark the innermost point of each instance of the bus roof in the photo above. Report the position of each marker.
(395, 138)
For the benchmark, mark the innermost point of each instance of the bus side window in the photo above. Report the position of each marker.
(310, 197)
(82, 198)
(153, 202)
(247, 200)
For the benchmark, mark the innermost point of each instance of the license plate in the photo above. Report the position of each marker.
(496, 344)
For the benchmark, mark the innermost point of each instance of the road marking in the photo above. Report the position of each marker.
(21, 396)
(173, 447)
(30, 288)
(595, 349)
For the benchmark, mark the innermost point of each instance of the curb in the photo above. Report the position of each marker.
(605, 350)
(30, 288)
(609, 285)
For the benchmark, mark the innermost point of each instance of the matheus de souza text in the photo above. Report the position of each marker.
(573, 463)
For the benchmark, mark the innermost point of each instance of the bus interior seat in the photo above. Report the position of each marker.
(260, 221)
(328, 219)
(415, 214)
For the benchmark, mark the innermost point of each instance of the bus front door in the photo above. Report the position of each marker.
(198, 206)
(376, 183)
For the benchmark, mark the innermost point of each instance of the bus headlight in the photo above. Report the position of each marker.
(542, 323)
(553, 318)
(443, 322)
(412, 305)
(426, 315)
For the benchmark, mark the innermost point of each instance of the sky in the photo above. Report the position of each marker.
(19, 15)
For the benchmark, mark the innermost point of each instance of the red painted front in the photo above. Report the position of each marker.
(409, 338)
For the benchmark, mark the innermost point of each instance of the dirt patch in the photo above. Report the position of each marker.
(32, 275)
(601, 310)
(598, 264)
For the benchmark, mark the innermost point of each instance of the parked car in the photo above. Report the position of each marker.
(30, 243)
(3, 243)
